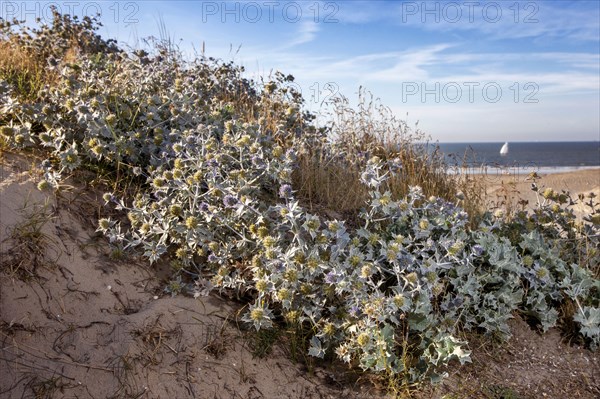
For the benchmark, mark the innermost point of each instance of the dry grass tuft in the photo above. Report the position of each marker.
(155, 339)
(24, 70)
(29, 244)
(216, 340)
(328, 173)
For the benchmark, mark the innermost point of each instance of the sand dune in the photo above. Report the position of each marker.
(518, 187)
(76, 323)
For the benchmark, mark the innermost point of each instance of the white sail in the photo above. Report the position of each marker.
(504, 149)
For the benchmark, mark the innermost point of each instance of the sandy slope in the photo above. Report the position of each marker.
(75, 323)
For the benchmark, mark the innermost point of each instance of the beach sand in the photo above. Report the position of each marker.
(511, 188)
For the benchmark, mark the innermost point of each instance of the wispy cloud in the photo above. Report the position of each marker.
(410, 65)
(443, 63)
(306, 32)
(393, 66)
(498, 20)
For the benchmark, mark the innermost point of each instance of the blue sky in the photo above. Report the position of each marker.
(466, 70)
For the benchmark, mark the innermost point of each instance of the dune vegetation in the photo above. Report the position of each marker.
(350, 237)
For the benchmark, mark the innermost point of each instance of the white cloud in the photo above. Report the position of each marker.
(307, 32)
(571, 71)
(500, 20)
(410, 65)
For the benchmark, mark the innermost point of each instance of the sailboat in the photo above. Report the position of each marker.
(504, 149)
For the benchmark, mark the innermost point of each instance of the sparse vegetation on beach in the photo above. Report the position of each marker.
(32, 247)
(350, 239)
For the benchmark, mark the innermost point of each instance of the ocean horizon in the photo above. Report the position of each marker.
(523, 156)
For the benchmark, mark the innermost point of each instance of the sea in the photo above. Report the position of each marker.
(522, 157)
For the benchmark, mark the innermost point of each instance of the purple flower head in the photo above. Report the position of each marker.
(477, 250)
(204, 207)
(212, 258)
(279, 266)
(230, 201)
(354, 311)
(453, 303)
(285, 191)
(212, 163)
(330, 278)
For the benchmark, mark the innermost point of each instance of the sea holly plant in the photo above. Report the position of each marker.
(213, 155)
(561, 257)
(412, 273)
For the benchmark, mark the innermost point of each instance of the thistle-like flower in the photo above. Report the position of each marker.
(44, 185)
(104, 224)
(259, 316)
(230, 201)
(191, 222)
(477, 250)
(285, 191)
